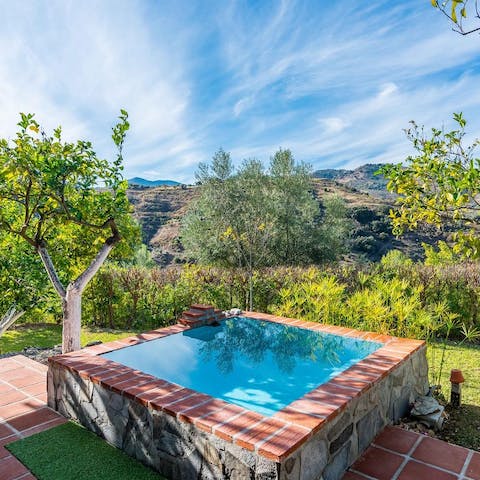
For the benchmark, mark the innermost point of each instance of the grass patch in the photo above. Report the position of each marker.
(463, 426)
(48, 335)
(70, 452)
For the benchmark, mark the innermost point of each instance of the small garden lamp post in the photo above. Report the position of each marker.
(456, 379)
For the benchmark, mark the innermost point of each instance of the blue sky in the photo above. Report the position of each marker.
(336, 82)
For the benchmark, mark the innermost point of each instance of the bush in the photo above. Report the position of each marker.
(394, 296)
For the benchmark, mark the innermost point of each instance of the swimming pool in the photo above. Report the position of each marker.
(183, 431)
(258, 365)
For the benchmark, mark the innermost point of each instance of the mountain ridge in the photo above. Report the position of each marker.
(142, 182)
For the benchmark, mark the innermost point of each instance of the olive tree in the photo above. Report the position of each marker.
(68, 205)
(254, 217)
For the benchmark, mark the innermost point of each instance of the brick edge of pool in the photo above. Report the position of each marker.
(275, 438)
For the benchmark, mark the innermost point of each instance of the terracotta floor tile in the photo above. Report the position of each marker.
(11, 468)
(35, 389)
(218, 416)
(12, 397)
(4, 453)
(6, 440)
(290, 415)
(378, 463)
(15, 373)
(8, 364)
(44, 426)
(5, 430)
(441, 454)
(5, 387)
(473, 469)
(397, 439)
(32, 419)
(235, 426)
(418, 471)
(43, 397)
(20, 408)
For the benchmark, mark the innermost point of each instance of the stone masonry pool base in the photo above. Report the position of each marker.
(189, 435)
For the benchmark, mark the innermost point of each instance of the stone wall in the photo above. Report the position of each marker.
(340, 442)
(179, 450)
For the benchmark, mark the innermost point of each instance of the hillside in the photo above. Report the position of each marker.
(160, 209)
(363, 179)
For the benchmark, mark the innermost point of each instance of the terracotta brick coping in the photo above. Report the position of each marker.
(273, 437)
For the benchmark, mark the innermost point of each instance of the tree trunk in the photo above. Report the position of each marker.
(72, 295)
(72, 319)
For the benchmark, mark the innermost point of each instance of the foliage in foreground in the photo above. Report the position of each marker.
(50, 199)
(440, 185)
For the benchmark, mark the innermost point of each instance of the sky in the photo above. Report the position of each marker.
(336, 82)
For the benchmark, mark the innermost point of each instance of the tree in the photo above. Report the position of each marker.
(67, 205)
(296, 211)
(458, 12)
(439, 186)
(252, 217)
(231, 223)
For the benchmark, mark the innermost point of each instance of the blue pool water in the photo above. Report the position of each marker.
(261, 366)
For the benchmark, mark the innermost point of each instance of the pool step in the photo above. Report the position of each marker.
(199, 315)
(191, 323)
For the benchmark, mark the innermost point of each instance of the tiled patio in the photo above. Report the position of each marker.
(395, 454)
(403, 455)
(23, 409)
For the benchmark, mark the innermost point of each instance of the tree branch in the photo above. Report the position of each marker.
(51, 272)
(82, 281)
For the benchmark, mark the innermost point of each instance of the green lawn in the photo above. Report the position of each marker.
(463, 426)
(48, 335)
(70, 452)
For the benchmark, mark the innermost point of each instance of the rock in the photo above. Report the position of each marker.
(427, 410)
(425, 406)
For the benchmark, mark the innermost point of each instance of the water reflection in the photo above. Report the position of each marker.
(254, 340)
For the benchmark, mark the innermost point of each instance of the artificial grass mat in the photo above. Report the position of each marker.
(70, 452)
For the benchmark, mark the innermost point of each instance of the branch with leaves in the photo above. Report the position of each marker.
(440, 185)
(459, 12)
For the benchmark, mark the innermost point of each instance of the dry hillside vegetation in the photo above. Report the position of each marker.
(160, 210)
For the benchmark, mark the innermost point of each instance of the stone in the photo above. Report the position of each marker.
(209, 453)
(235, 469)
(289, 464)
(341, 439)
(266, 469)
(367, 428)
(339, 424)
(401, 404)
(337, 467)
(314, 457)
(291, 467)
